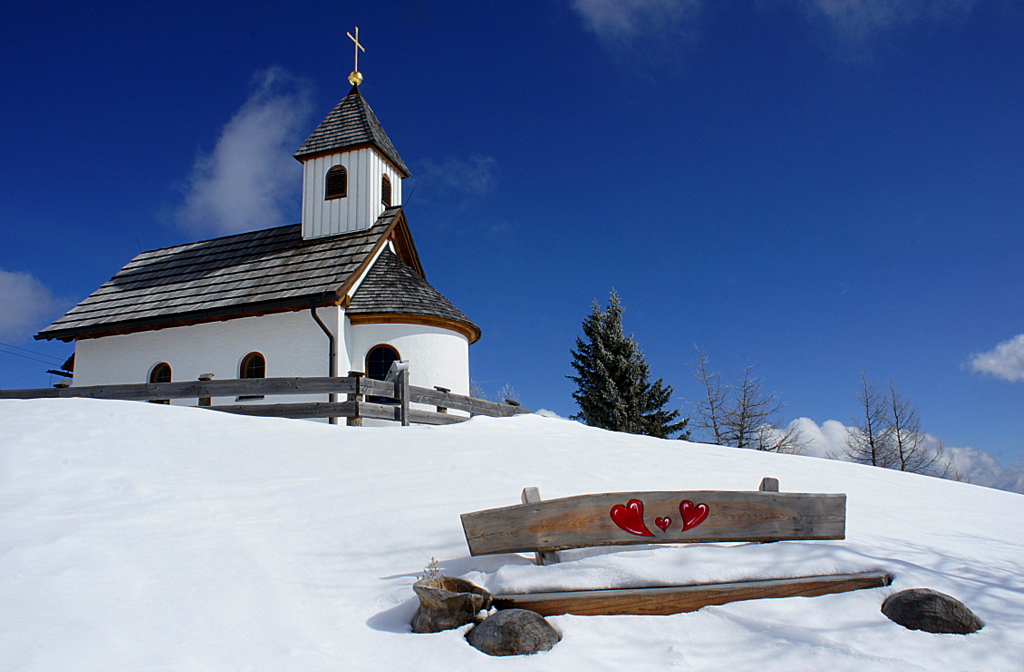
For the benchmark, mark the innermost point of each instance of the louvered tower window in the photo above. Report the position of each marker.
(337, 183)
(385, 191)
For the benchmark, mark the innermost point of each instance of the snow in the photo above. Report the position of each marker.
(137, 536)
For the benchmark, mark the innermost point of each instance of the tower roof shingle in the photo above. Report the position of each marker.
(352, 123)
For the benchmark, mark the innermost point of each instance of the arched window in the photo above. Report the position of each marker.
(337, 183)
(379, 360)
(378, 363)
(161, 373)
(385, 191)
(253, 366)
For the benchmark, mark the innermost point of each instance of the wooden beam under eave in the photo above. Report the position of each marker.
(665, 600)
(469, 331)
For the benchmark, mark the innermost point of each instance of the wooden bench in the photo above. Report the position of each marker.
(630, 518)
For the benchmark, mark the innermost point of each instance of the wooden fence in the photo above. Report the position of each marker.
(391, 399)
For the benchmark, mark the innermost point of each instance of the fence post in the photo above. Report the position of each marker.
(443, 390)
(403, 391)
(355, 420)
(205, 401)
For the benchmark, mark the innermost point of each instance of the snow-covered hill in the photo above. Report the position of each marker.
(147, 537)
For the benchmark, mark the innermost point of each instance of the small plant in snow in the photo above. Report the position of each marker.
(432, 570)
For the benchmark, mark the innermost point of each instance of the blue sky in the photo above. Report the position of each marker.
(814, 187)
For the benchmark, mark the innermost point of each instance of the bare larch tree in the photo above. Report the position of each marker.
(870, 439)
(888, 434)
(741, 415)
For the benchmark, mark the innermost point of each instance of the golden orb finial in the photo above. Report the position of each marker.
(356, 78)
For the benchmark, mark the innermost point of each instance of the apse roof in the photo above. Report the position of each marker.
(392, 287)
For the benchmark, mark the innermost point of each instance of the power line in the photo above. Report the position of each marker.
(41, 354)
(18, 354)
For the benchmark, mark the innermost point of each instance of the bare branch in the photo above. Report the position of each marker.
(708, 411)
(870, 442)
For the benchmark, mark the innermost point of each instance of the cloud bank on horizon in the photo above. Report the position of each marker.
(25, 305)
(248, 182)
(1005, 361)
(979, 467)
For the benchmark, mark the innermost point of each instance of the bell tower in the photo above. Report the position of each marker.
(351, 171)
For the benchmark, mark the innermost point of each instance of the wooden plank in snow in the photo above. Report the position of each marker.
(677, 599)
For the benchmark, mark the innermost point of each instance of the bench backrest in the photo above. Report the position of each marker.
(622, 518)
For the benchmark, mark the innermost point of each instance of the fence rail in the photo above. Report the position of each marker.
(356, 407)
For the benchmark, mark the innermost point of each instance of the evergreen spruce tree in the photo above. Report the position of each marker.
(613, 388)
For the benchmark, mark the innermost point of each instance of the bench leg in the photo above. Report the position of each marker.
(532, 496)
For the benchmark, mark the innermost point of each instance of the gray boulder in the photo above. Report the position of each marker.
(447, 602)
(513, 632)
(931, 611)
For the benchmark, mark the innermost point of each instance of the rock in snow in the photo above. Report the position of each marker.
(931, 611)
(513, 632)
(447, 602)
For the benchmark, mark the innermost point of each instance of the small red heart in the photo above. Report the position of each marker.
(692, 515)
(631, 518)
(663, 523)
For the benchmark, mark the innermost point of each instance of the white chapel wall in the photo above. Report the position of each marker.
(292, 344)
(436, 356)
(361, 208)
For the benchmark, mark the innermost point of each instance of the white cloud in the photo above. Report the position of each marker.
(624, 20)
(1005, 361)
(473, 176)
(25, 305)
(251, 181)
(974, 466)
(857, 20)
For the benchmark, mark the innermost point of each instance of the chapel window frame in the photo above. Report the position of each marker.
(160, 373)
(385, 191)
(336, 183)
(251, 367)
(378, 371)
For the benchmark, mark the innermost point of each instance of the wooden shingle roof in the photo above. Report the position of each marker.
(236, 276)
(350, 124)
(392, 291)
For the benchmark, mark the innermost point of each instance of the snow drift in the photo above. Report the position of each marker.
(137, 536)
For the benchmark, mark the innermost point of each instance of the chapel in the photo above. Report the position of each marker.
(343, 290)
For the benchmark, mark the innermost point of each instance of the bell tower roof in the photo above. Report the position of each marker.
(351, 124)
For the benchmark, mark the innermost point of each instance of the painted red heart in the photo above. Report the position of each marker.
(663, 523)
(631, 518)
(693, 515)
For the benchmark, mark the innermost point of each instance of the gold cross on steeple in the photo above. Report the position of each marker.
(356, 78)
